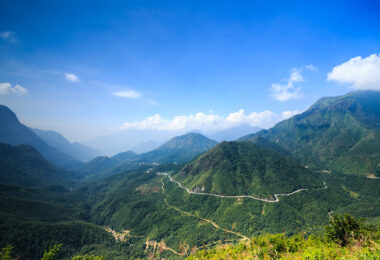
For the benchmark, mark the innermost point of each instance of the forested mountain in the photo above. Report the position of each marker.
(243, 168)
(154, 208)
(13, 132)
(339, 133)
(39, 207)
(77, 150)
(22, 165)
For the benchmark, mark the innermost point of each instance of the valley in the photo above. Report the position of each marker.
(191, 193)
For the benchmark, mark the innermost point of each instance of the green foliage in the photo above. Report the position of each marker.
(87, 257)
(52, 253)
(342, 228)
(6, 253)
(299, 246)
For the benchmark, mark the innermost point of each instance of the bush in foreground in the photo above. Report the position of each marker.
(345, 238)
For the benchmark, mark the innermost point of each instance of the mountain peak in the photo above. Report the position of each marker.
(243, 168)
(336, 133)
(7, 115)
(190, 140)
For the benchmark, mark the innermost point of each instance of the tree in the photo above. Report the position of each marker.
(53, 253)
(342, 228)
(87, 257)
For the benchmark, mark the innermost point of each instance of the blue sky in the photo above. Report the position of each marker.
(90, 68)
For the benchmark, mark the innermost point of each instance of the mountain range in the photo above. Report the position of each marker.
(13, 132)
(179, 149)
(337, 134)
(192, 192)
(136, 140)
(77, 150)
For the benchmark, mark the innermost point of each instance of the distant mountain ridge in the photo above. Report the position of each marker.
(232, 133)
(179, 149)
(146, 147)
(15, 133)
(76, 150)
(337, 133)
(102, 165)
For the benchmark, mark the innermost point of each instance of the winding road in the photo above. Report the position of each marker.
(239, 196)
(203, 219)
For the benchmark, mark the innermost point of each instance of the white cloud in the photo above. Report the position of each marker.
(6, 89)
(284, 92)
(205, 122)
(287, 114)
(71, 77)
(127, 94)
(360, 73)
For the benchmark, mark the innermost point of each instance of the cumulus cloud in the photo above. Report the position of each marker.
(6, 89)
(205, 122)
(289, 90)
(127, 94)
(289, 113)
(360, 73)
(71, 77)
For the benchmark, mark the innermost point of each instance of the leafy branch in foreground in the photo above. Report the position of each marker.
(6, 252)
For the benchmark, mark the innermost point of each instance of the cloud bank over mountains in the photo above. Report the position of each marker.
(206, 122)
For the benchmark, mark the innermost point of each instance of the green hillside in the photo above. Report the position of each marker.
(22, 165)
(339, 133)
(155, 208)
(243, 168)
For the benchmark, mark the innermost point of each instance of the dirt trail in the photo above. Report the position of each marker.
(372, 176)
(160, 246)
(120, 236)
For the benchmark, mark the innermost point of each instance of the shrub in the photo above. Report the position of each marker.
(342, 228)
